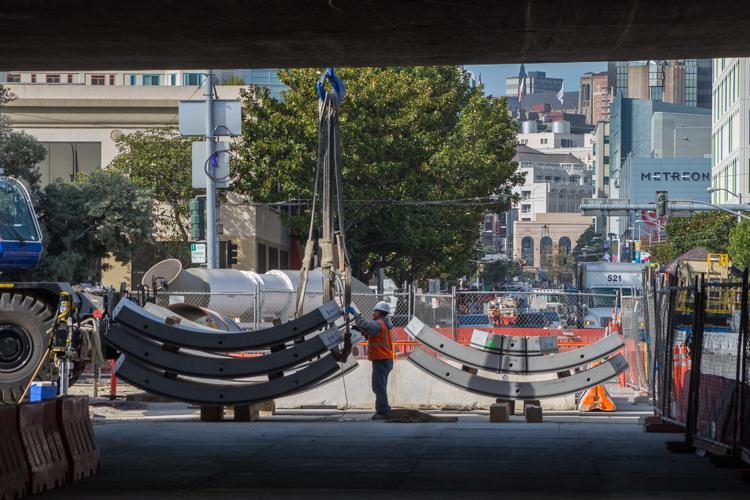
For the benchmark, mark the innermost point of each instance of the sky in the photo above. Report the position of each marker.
(493, 75)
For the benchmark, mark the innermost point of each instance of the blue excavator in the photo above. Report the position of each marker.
(42, 324)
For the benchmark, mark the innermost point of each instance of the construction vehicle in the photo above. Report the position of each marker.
(606, 281)
(715, 268)
(44, 327)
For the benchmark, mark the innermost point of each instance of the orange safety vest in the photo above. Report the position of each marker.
(380, 346)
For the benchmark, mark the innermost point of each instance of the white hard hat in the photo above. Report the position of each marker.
(383, 307)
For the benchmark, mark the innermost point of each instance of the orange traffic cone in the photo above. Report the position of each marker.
(596, 399)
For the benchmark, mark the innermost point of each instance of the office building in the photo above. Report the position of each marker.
(593, 97)
(730, 147)
(558, 139)
(657, 146)
(677, 81)
(548, 210)
(537, 82)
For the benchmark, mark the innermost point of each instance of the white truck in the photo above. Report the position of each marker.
(605, 281)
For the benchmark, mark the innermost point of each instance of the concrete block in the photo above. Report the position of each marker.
(267, 408)
(499, 412)
(533, 414)
(212, 413)
(246, 413)
(532, 402)
(511, 404)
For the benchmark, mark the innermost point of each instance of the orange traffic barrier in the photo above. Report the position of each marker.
(677, 371)
(596, 399)
(78, 437)
(43, 446)
(14, 474)
(685, 365)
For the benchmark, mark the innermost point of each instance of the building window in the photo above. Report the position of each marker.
(53, 78)
(525, 195)
(151, 80)
(273, 258)
(70, 78)
(97, 79)
(192, 79)
(261, 259)
(543, 141)
(525, 209)
(111, 79)
(33, 78)
(172, 79)
(13, 78)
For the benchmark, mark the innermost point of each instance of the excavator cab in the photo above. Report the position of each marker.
(20, 235)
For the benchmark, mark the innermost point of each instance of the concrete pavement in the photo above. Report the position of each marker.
(344, 455)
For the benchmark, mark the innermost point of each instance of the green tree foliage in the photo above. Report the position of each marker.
(84, 221)
(589, 246)
(19, 152)
(710, 230)
(739, 245)
(159, 160)
(406, 134)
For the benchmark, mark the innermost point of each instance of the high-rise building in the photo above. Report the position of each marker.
(593, 97)
(730, 152)
(537, 82)
(657, 146)
(677, 81)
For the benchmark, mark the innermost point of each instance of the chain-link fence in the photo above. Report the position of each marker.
(638, 348)
(702, 367)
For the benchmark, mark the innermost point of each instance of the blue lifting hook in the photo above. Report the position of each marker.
(337, 86)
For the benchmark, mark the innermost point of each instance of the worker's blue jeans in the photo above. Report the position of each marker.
(380, 370)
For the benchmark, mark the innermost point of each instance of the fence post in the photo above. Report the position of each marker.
(740, 372)
(691, 420)
(256, 311)
(409, 302)
(453, 311)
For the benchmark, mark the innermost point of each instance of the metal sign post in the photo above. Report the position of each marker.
(212, 209)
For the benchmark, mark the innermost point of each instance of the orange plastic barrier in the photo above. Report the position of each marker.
(596, 399)
(78, 437)
(14, 474)
(43, 446)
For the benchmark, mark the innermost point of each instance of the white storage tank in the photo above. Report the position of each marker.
(528, 127)
(561, 127)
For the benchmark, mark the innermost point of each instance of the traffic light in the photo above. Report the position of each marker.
(661, 203)
(231, 254)
(198, 218)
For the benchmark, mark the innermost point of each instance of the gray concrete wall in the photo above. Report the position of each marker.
(408, 387)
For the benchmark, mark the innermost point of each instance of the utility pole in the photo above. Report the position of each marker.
(212, 235)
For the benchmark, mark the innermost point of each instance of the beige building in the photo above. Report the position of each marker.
(535, 240)
(78, 125)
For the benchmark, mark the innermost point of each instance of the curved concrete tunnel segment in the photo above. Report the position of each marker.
(518, 390)
(484, 360)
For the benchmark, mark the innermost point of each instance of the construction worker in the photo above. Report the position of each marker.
(378, 332)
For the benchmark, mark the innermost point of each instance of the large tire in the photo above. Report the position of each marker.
(24, 322)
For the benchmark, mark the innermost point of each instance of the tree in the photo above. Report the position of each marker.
(233, 80)
(160, 160)
(20, 153)
(739, 245)
(589, 246)
(406, 134)
(710, 230)
(85, 221)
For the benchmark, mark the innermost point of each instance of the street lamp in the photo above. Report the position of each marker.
(731, 193)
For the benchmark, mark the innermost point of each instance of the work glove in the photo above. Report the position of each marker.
(351, 310)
